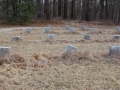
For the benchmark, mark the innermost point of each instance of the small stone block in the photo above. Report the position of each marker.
(114, 50)
(51, 37)
(87, 37)
(50, 27)
(71, 29)
(67, 27)
(16, 38)
(47, 30)
(94, 30)
(71, 49)
(116, 37)
(117, 28)
(28, 30)
(84, 27)
(4, 52)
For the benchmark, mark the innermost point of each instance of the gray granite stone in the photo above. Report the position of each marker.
(71, 29)
(70, 48)
(87, 36)
(47, 30)
(51, 37)
(118, 31)
(4, 52)
(114, 50)
(67, 27)
(50, 27)
(94, 30)
(116, 37)
(117, 28)
(84, 27)
(16, 38)
(28, 30)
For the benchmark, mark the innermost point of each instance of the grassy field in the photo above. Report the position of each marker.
(37, 64)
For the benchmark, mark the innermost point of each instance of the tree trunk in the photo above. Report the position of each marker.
(14, 8)
(101, 9)
(59, 7)
(113, 8)
(38, 7)
(47, 9)
(65, 9)
(54, 8)
(73, 9)
(85, 10)
(106, 9)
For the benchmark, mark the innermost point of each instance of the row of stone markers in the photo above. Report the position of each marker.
(5, 51)
(114, 50)
(71, 29)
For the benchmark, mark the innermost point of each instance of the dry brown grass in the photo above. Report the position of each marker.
(39, 65)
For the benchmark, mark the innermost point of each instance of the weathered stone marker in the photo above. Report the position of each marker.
(114, 50)
(67, 27)
(28, 30)
(51, 37)
(87, 36)
(71, 29)
(94, 30)
(84, 27)
(47, 30)
(4, 52)
(16, 38)
(70, 49)
(116, 37)
(117, 28)
(50, 27)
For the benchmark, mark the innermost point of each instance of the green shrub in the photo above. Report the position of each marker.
(18, 11)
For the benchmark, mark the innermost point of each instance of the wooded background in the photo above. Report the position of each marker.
(88, 10)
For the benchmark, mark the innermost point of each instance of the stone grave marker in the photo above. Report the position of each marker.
(28, 30)
(67, 27)
(114, 50)
(70, 49)
(94, 30)
(71, 29)
(87, 36)
(116, 37)
(84, 27)
(50, 27)
(117, 28)
(4, 52)
(16, 38)
(51, 37)
(47, 30)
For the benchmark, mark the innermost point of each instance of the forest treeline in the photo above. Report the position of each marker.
(89, 10)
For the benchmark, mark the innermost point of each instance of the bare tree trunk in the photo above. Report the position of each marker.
(101, 9)
(113, 8)
(79, 9)
(54, 8)
(38, 7)
(65, 9)
(47, 9)
(106, 9)
(59, 7)
(119, 11)
(85, 10)
(73, 9)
